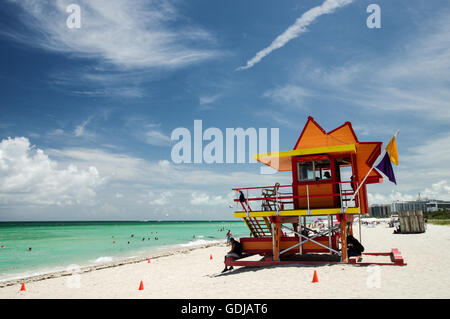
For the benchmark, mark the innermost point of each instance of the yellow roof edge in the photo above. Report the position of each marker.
(307, 151)
(299, 212)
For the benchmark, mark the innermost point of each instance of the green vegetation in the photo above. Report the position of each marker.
(439, 222)
(440, 215)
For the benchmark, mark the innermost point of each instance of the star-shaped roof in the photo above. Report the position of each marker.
(313, 135)
(314, 140)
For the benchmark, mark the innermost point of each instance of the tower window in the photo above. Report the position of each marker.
(313, 171)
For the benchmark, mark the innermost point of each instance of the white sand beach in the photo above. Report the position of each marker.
(193, 275)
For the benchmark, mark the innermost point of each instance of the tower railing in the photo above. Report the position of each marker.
(282, 198)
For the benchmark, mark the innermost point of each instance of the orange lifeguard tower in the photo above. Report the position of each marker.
(330, 172)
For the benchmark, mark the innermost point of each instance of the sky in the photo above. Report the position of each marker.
(87, 113)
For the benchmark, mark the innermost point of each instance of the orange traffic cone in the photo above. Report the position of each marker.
(210, 257)
(315, 278)
(141, 286)
(148, 260)
(23, 287)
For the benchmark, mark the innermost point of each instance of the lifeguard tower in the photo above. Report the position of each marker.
(330, 172)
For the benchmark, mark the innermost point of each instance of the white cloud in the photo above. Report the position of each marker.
(274, 116)
(201, 198)
(299, 27)
(290, 94)
(125, 168)
(115, 185)
(411, 78)
(439, 190)
(160, 199)
(56, 132)
(427, 161)
(206, 101)
(157, 137)
(127, 34)
(80, 130)
(377, 198)
(126, 92)
(335, 76)
(150, 133)
(427, 53)
(28, 176)
(117, 167)
(422, 169)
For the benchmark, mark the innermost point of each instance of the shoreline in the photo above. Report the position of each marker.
(122, 262)
(196, 272)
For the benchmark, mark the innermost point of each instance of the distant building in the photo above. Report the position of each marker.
(380, 210)
(409, 205)
(436, 205)
(425, 205)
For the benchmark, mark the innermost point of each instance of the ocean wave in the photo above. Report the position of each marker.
(103, 259)
(197, 242)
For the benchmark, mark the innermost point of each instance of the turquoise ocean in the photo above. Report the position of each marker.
(57, 245)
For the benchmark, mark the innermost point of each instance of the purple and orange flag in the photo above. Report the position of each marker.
(391, 155)
(386, 168)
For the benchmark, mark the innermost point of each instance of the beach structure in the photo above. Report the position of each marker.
(411, 222)
(330, 172)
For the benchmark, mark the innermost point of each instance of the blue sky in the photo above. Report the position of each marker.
(87, 113)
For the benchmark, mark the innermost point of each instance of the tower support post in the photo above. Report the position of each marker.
(276, 239)
(344, 257)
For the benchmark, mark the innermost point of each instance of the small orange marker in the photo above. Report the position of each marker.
(210, 257)
(141, 286)
(315, 278)
(149, 260)
(23, 287)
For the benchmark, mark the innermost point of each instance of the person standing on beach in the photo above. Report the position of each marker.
(229, 235)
